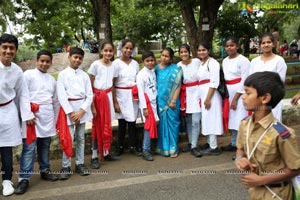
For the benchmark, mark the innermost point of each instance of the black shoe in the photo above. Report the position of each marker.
(233, 157)
(120, 151)
(133, 151)
(228, 148)
(211, 152)
(48, 176)
(203, 146)
(22, 186)
(195, 152)
(111, 157)
(82, 170)
(95, 163)
(187, 149)
(147, 156)
(65, 173)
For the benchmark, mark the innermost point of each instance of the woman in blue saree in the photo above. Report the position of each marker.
(168, 88)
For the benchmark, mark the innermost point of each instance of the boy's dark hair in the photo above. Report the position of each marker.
(44, 52)
(267, 82)
(9, 39)
(147, 54)
(76, 50)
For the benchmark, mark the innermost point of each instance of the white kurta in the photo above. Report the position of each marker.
(12, 86)
(190, 76)
(146, 83)
(277, 64)
(75, 84)
(236, 68)
(211, 119)
(126, 77)
(104, 80)
(42, 91)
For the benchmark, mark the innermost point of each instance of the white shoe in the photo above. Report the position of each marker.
(8, 188)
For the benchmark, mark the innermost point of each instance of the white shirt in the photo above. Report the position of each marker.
(189, 76)
(12, 87)
(75, 84)
(146, 83)
(42, 90)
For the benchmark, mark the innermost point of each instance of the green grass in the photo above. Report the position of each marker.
(25, 53)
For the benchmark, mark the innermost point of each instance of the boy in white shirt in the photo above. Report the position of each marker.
(75, 96)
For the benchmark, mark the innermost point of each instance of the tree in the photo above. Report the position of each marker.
(7, 13)
(203, 28)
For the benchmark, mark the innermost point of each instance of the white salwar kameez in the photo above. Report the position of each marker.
(211, 118)
(126, 77)
(103, 80)
(192, 93)
(146, 83)
(277, 64)
(234, 68)
(13, 87)
(75, 84)
(42, 91)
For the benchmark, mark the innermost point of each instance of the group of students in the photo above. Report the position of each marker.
(117, 89)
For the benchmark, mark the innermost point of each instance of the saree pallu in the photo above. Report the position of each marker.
(168, 80)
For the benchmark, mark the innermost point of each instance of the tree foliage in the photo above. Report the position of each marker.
(7, 13)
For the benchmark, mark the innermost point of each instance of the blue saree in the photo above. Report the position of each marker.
(168, 80)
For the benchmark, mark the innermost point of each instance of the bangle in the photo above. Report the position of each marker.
(173, 101)
(239, 157)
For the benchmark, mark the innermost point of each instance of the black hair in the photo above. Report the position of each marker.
(204, 44)
(124, 42)
(76, 50)
(9, 39)
(266, 35)
(233, 39)
(170, 50)
(267, 82)
(186, 46)
(44, 52)
(147, 54)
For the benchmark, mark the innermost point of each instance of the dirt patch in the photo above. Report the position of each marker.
(60, 61)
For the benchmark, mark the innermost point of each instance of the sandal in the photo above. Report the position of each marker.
(174, 155)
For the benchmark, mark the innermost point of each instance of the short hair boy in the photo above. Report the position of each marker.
(43, 97)
(75, 96)
(13, 97)
(268, 151)
(146, 83)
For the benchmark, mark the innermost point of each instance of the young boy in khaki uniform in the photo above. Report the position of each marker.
(268, 151)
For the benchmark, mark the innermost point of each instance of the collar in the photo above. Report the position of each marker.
(2, 66)
(267, 120)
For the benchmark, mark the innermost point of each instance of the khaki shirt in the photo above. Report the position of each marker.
(272, 154)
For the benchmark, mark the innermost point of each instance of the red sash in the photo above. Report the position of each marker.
(134, 90)
(101, 128)
(233, 81)
(150, 123)
(4, 104)
(204, 81)
(63, 130)
(30, 129)
(183, 96)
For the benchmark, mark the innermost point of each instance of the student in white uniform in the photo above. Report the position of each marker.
(125, 97)
(146, 83)
(236, 68)
(75, 96)
(101, 74)
(14, 96)
(268, 61)
(211, 100)
(189, 104)
(42, 90)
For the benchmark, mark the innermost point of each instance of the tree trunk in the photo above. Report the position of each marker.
(206, 24)
(101, 10)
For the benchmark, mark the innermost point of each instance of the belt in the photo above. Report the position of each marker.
(204, 81)
(4, 104)
(282, 184)
(74, 99)
(233, 81)
(124, 88)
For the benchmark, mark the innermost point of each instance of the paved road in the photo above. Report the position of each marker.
(184, 177)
